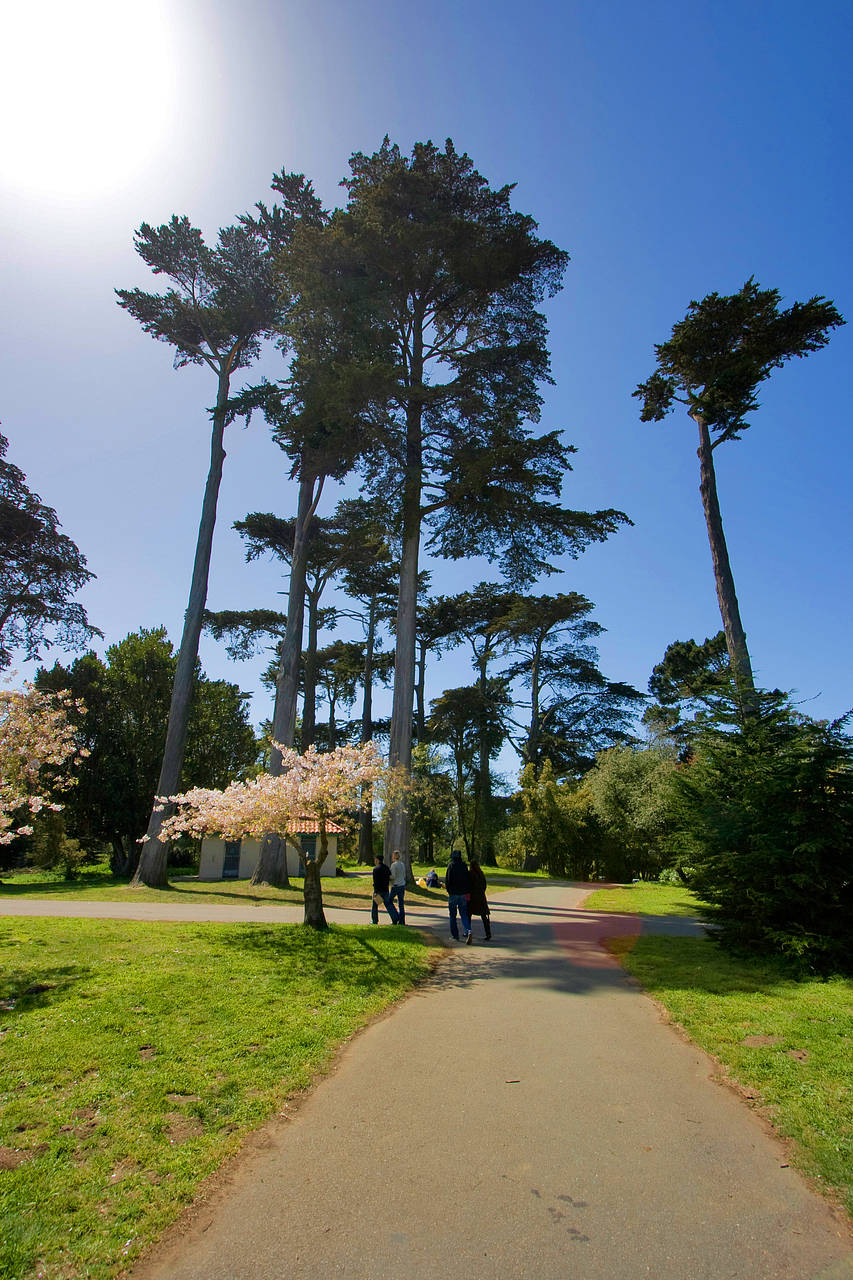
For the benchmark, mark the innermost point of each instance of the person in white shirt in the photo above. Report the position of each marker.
(398, 884)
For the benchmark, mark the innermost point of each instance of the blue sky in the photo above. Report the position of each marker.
(672, 149)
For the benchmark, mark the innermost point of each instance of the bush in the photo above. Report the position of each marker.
(52, 848)
(630, 793)
(765, 817)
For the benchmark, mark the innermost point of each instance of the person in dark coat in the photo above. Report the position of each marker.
(457, 882)
(477, 904)
(381, 887)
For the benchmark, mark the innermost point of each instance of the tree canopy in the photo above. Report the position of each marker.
(41, 570)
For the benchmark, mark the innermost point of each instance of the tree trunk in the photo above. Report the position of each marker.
(309, 675)
(154, 857)
(312, 890)
(723, 577)
(365, 830)
(483, 808)
(333, 724)
(531, 751)
(420, 692)
(272, 862)
(397, 827)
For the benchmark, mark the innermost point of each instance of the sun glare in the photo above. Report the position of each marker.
(86, 89)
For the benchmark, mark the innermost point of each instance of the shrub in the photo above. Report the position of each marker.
(52, 848)
(765, 817)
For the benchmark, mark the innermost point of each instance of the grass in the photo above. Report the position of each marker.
(98, 884)
(135, 1056)
(645, 899)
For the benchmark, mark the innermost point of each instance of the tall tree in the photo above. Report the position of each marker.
(477, 619)
(325, 545)
(449, 279)
(713, 363)
(222, 302)
(461, 719)
(338, 668)
(368, 577)
(434, 623)
(41, 570)
(574, 710)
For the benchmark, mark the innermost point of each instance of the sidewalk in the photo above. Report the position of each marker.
(525, 1114)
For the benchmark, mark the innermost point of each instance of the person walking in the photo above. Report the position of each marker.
(478, 906)
(381, 883)
(457, 882)
(398, 884)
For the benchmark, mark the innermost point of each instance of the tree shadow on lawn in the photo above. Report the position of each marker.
(672, 962)
(525, 952)
(22, 991)
(22, 888)
(337, 956)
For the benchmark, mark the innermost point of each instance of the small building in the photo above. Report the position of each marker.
(237, 859)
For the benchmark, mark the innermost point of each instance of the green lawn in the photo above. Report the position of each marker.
(98, 884)
(787, 1043)
(645, 899)
(135, 1056)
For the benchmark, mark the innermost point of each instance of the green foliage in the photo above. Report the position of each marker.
(765, 817)
(631, 794)
(123, 726)
(555, 829)
(40, 570)
(693, 674)
(724, 348)
(51, 847)
(431, 805)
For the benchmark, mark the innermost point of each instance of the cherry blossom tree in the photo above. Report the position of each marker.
(327, 786)
(37, 748)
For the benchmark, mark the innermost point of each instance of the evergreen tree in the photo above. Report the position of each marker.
(574, 710)
(713, 363)
(446, 279)
(221, 304)
(41, 570)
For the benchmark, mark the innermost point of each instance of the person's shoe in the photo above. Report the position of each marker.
(469, 938)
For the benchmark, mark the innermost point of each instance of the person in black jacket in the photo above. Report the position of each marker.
(457, 882)
(478, 906)
(381, 886)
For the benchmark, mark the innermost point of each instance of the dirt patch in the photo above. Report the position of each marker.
(182, 1097)
(181, 1128)
(147, 1051)
(10, 1158)
(799, 1055)
(13, 1157)
(761, 1042)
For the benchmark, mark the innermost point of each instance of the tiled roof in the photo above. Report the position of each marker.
(311, 827)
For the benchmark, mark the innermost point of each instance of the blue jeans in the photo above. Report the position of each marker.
(398, 891)
(389, 907)
(458, 902)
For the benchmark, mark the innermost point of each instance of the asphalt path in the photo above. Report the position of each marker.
(525, 1113)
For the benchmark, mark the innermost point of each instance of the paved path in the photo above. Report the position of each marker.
(525, 1114)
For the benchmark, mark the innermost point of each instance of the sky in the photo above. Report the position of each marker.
(672, 149)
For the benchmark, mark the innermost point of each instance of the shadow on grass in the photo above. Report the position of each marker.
(20, 992)
(677, 963)
(67, 888)
(338, 956)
